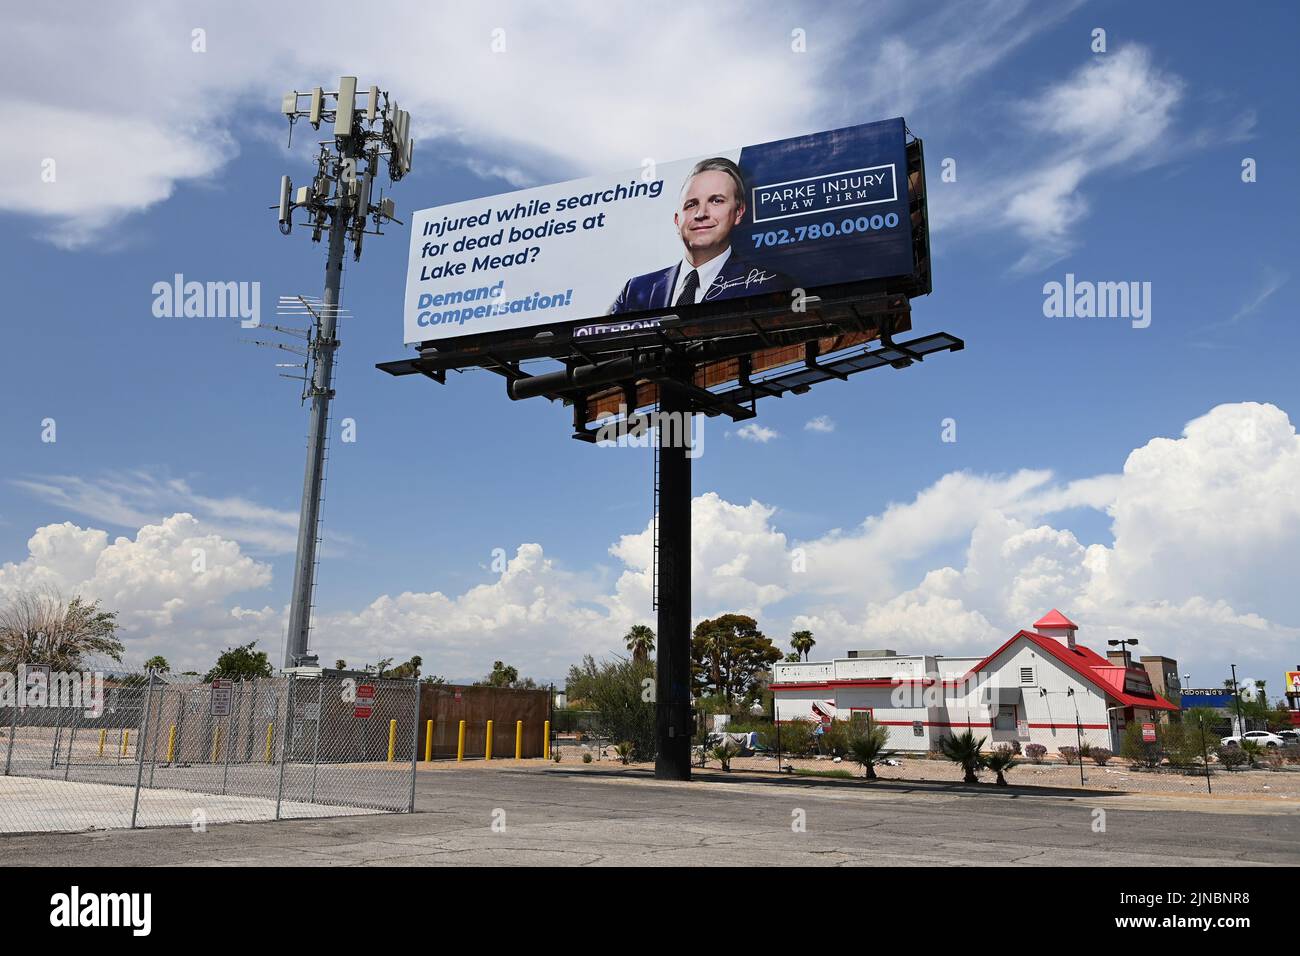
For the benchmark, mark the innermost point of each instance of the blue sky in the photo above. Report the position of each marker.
(1115, 166)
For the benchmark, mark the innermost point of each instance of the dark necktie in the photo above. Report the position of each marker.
(687, 296)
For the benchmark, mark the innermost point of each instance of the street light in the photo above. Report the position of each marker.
(1122, 643)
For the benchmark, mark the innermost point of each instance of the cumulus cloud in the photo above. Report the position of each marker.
(752, 431)
(822, 423)
(1205, 536)
(170, 585)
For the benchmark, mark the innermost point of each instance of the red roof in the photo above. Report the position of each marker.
(1085, 662)
(1055, 618)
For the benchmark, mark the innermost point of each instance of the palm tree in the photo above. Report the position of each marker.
(159, 664)
(640, 640)
(867, 747)
(40, 627)
(1001, 760)
(964, 749)
(802, 642)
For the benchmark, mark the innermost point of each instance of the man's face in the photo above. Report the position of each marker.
(709, 211)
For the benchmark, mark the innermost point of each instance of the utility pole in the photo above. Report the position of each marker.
(1236, 694)
(338, 200)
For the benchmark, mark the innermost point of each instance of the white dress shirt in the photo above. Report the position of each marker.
(708, 272)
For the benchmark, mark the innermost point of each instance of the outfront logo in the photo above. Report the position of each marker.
(74, 909)
(825, 193)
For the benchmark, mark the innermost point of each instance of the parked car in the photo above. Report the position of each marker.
(1289, 737)
(1261, 737)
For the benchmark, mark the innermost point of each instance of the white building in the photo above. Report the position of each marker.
(1041, 686)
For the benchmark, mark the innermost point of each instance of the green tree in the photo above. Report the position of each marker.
(1001, 760)
(729, 655)
(964, 750)
(241, 663)
(39, 627)
(640, 640)
(159, 664)
(504, 675)
(802, 642)
(866, 745)
(620, 694)
(408, 670)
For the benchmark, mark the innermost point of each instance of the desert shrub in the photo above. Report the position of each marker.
(1100, 755)
(625, 749)
(1231, 757)
(555, 755)
(586, 756)
(723, 754)
(835, 738)
(1012, 745)
(1069, 754)
(797, 738)
(1035, 752)
(1138, 751)
(964, 750)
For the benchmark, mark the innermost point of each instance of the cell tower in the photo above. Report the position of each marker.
(340, 200)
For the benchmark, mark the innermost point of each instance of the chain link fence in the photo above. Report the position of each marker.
(151, 751)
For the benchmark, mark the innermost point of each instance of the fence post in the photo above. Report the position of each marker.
(58, 731)
(231, 731)
(139, 749)
(284, 744)
(415, 739)
(13, 728)
(72, 742)
(315, 745)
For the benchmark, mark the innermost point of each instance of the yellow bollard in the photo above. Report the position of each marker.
(392, 739)
(270, 736)
(519, 739)
(126, 741)
(428, 741)
(488, 754)
(103, 736)
(460, 742)
(546, 740)
(171, 743)
(216, 744)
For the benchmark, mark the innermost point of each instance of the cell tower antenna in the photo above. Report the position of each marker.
(338, 200)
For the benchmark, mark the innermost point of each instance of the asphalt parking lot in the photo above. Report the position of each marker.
(552, 816)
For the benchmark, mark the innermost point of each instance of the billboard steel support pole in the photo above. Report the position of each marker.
(673, 670)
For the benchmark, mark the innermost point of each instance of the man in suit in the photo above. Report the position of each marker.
(712, 204)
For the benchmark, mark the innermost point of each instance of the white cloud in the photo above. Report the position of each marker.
(133, 499)
(575, 92)
(757, 433)
(1205, 527)
(169, 585)
(822, 423)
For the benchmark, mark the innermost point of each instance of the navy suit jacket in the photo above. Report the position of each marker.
(739, 277)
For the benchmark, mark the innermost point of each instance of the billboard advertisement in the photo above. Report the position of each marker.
(1207, 697)
(823, 209)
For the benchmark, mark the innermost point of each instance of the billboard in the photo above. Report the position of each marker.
(1219, 697)
(825, 209)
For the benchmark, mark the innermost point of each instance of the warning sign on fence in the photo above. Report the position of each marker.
(1148, 733)
(365, 700)
(223, 696)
